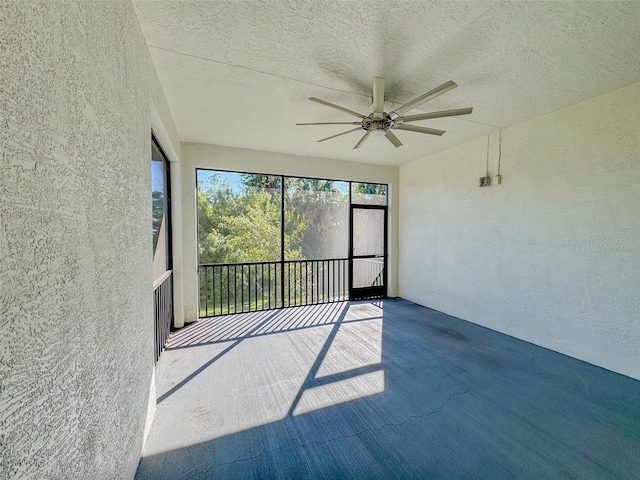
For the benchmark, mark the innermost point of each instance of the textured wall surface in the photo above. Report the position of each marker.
(242, 160)
(551, 255)
(76, 351)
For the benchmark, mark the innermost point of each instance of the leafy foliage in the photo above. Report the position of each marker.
(244, 226)
(236, 227)
(368, 193)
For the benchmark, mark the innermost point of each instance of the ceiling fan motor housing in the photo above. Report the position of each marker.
(377, 121)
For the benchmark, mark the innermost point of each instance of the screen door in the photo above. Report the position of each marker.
(368, 253)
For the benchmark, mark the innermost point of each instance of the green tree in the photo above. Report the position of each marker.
(368, 193)
(216, 201)
(244, 226)
(369, 188)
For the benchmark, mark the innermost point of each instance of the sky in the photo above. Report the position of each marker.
(157, 177)
(235, 180)
(232, 178)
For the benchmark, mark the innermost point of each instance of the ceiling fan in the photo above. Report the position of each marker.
(380, 123)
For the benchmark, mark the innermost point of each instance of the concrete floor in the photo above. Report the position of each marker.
(383, 389)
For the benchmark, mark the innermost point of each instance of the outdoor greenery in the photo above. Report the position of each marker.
(239, 221)
(237, 226)
(243, 225)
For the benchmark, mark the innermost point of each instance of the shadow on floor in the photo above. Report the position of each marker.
(392, 390)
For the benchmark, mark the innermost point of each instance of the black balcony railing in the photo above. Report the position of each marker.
(368, 272)
(227, 288)
(162, 310)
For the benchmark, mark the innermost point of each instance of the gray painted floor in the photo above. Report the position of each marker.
(382, 390)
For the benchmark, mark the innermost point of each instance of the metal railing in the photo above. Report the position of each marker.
(368, 272)
(227, 288)
(162, 310)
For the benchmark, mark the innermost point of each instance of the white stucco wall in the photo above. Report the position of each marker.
(225, 158)
(78, 98)
(551, 256)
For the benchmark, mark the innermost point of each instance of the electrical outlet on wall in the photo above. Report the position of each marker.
(497, 180)
(484, 181)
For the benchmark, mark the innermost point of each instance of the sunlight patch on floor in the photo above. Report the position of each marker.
(253, 384)
(342, 391)
(225, 375)
(357, 344)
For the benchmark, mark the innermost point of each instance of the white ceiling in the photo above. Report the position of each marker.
(239, 73)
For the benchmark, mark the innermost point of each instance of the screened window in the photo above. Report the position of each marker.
(368, 194)
(160, 211)
(273, 241)
(238, 217)
(316, 219)
(246, 217)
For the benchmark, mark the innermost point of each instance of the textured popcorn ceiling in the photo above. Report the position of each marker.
(238, 73)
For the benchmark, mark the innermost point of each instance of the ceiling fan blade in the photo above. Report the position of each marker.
(364, 137)
(444, 113)
(378, 94)
(331, 123)
(413, 128)
(393, 139)
(444, 88)
(337, 107)
(343, 133)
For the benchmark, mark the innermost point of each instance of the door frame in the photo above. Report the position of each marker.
(368, 292)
